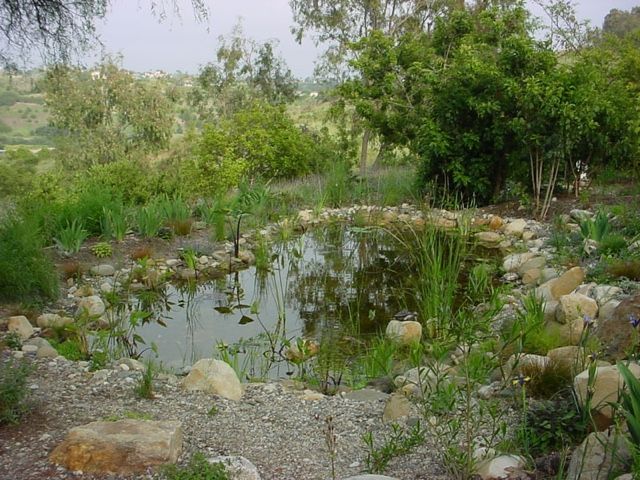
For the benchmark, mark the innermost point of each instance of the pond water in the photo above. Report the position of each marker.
(336, 279)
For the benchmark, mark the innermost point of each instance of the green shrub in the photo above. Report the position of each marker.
(612, 244)
(71, 237)
(13, 389)
(27, 273)
(198, 468)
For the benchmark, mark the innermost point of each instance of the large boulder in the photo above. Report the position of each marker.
(504, 466)
(535, 263)
(514, 261)
(124, 447)
(21, 326)
(396, 407)
(604, 390)
(406, 332)
(214, 376)
(92, 306)
(104, 270)
(488, 239)
(53, 320)
(516, 227)
(601, 456)
(575, 307)
(566, 283)
(616, 332)
(571, 358)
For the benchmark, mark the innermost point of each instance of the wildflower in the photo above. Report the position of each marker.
(634, 320)
(520, 380)
(587, 321)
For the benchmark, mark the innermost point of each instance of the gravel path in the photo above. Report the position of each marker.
(273, 425)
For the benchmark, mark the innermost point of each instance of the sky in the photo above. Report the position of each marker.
(182, 43)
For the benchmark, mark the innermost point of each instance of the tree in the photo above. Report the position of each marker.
(341, 23)
(621, 22)
(244, 71)
(58, 28)
(105, 115)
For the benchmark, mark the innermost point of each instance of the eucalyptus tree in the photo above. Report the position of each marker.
(244, 71)
(105, 115)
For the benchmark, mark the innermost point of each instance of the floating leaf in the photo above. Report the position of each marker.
(223, 310)
(245, 319)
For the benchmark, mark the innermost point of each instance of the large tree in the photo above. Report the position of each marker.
(244, 71)
(105, 115)
(59, 28)
(337, 24)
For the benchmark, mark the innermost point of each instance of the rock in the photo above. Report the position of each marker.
(516, 227)
(21, 326)
(513, 262)
(397, 406)
(569, 333)
(531, 276)
(247, 257)
(606, 386)
(572, 358)
(488, 239)
(526, 363)
(580, 215)
(214, 376)
(52, 320)
(238, 468)
(123, 447)
(615, 332)
(365, 395)
(550, 307)
(132, 364)
(576, 307)
(172, 262)
(302, 349)
(419, 379)
(599, 455)
(47, 352)
(406, 332)
(29, 348)
(104, 270)
(311, 395)
(92, 306)
(369, 476)
(605, 293)
(305, 216)
(500, 467)
(528, 235)
(534, 263)
(495, 222)
(547, 274)
(187, 273)
(567, 282)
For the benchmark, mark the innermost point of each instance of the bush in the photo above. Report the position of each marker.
(259, 141)
(198, 469)
(27, 273)
(13, 389)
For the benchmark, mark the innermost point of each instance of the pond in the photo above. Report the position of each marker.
(337, 280)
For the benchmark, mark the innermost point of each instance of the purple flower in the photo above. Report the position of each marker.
(634, 320)
(588, 321)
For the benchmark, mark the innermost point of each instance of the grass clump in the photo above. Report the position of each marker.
(198, 468)
(13, 389)
(397, 443)
(144, 388)
(70, 238)
(27, 273)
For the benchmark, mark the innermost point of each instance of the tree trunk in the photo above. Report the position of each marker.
(384, 148)
(364, 148)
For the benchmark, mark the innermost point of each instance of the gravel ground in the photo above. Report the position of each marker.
(272, 426)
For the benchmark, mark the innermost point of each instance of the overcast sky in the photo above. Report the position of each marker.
(181, 43)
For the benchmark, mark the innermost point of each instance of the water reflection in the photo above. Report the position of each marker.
(338, 279)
